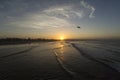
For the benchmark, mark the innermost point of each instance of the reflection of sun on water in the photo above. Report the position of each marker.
(61, 52)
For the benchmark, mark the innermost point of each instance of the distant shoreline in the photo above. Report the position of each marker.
(14, 41)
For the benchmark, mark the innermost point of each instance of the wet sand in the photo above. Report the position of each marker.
(51, 61)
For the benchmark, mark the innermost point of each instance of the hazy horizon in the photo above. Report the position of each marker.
(56, 19)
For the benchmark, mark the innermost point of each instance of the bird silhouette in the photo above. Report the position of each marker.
(78, 27)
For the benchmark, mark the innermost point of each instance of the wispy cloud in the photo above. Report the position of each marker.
(63, 11)
(56, 11)
(69, 11)
(88, 6)
(54, 16)
(41, 21)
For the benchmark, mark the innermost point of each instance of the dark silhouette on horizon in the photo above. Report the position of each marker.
(5, 41)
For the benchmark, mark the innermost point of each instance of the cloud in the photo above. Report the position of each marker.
(41, 21)
(56, 11)
(88, 6)
(63, 11)
(78, 10)
(46, 21)
(54, 16)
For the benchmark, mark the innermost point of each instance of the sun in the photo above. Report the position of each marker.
(62, 38)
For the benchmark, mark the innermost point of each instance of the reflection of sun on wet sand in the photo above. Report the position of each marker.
(82, 67)
(53, 61)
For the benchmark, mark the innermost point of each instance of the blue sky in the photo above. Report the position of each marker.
(55, 18)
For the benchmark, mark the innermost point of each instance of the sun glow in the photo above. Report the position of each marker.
(62, 38)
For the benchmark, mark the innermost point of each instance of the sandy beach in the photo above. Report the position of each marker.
(54, 61)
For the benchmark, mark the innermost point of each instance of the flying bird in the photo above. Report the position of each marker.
(78, 27)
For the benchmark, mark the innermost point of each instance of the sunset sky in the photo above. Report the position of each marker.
(60, 18)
